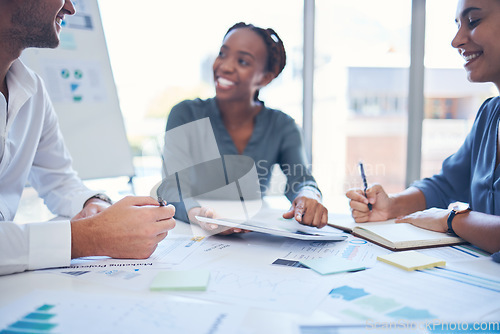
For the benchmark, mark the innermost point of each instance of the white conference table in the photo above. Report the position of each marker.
(15, 286)
(256, 249)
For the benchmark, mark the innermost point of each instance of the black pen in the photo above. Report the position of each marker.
(164, 167)
(365, 184)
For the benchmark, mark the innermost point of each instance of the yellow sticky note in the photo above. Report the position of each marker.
(189, 280)
(411, 260)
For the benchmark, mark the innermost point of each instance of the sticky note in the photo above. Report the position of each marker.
(332, 265)
(411, 260)
(189, 280)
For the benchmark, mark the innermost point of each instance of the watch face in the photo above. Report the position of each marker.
(459, 207)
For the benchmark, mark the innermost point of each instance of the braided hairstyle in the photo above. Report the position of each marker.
(276, 55)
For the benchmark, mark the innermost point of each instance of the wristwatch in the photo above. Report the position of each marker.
(456, 209)
(102, 197)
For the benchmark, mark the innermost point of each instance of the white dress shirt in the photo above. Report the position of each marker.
(34, 153)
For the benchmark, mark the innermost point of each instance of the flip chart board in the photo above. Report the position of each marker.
(80, 82)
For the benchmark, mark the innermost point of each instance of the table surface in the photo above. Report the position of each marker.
(257, 320)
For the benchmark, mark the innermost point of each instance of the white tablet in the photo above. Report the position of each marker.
(282, 227)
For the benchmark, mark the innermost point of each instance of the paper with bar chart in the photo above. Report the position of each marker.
(370, 295)
(61, 312)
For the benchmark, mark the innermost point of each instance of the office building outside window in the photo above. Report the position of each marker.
(361, 95)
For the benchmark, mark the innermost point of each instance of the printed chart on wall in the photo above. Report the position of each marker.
(80, 83)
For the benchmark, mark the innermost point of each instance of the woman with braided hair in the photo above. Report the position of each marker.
(470, 176)
(249, 59)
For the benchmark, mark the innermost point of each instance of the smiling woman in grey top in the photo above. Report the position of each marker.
(249, 59)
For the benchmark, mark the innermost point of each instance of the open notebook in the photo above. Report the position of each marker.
(393, 236)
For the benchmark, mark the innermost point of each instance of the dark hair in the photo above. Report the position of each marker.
(276, 56)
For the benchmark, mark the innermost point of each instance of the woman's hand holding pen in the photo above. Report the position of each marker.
(377, 197)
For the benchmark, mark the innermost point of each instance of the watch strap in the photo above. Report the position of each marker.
(449, 221)
(452, 215)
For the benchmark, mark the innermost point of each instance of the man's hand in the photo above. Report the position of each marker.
(129, 229)
(92, 207)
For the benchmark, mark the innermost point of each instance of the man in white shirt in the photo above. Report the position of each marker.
(32, 149)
